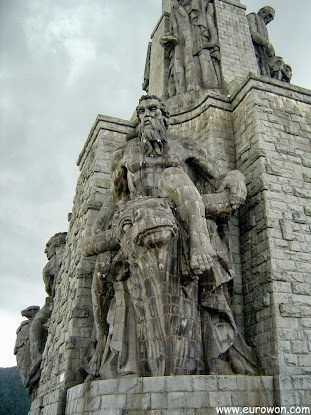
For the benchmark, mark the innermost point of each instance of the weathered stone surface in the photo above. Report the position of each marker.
(269, 64)
(22, 345)
(176, 397)
(159, 251)
(281, 232)
(32, 335)
(260, 125)
(192, 47)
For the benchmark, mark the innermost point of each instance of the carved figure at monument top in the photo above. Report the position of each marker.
(22, 348)
(53, 250)
(29, 351)
(192, 45)
(269, 64)
(161, 289)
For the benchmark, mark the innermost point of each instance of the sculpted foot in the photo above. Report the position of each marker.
(202, 253)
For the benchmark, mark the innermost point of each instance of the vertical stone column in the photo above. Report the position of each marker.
(273, 151)
(236, 47)
(158, 58)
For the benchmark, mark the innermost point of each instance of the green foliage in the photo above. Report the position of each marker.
(14, 399)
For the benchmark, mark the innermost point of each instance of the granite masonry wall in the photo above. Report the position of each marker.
(236, 48)
(263, 128)
(191, 395)
(272, 128)
(159, 60)
(72, 318)
(265, 132)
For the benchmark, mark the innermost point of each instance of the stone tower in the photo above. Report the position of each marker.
(218, 94)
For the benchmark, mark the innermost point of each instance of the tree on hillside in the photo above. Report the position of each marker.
(14, 399)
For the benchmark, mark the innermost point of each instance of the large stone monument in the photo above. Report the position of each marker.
(183, 285)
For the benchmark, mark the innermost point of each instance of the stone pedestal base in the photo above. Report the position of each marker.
(179, 395)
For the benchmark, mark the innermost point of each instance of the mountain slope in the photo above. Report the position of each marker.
(14, 399)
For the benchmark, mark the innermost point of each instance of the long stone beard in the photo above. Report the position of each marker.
(153, 137)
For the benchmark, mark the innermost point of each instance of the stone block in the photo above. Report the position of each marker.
(93, 404)
(290, 398)
(205, 383)
(130, 385)
(176, 400)
(221, 398)
(182, 383)
(299, 347)
(107, 412)
(157, 384)
(52, 409)
(227, 383)
(159, 401)
(301, 382)
(113, 401)
(138, 401)
(304, 360)
(305, 398)
(76, 392)
(196, 400)
(246, 398)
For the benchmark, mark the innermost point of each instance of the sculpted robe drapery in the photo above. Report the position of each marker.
(163, 319)
(269, 64)
(193, 47)
(260, 37)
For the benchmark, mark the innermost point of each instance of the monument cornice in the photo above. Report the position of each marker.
(103, 122)
(253, 82)
(235, 3)
(229, 102)
(163, 15)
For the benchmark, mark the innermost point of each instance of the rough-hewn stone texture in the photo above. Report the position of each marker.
(166, 277)
(262, 127)
(272, 125)
(72, 321)
(165, 396)
(237, 53)
(159, 60)
(236, 48)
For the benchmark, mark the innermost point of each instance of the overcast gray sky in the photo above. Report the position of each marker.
(62, 63)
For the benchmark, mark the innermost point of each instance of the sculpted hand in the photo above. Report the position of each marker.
(234, 181)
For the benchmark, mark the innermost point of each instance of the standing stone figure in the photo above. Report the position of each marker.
(269, 64)
(29, 361)
(162, 284)
(22, 347)
(192, 45)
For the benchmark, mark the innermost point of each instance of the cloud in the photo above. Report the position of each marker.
(64, 32)
(62, 63)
